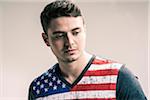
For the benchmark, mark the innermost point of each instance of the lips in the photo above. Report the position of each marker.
(70, 51)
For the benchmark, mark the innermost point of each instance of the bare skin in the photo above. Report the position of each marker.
(66, 38)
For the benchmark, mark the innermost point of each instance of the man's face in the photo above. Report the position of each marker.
(66, 37)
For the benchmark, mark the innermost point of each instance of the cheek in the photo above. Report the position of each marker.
(58, 45)
(82, 41)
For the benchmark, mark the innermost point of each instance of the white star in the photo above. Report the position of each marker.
(46, 89)
(53, 70)
(46, 81)
(42, 77)
(58, 81)
(38, 83)
(63, 85)
(50, 84)
(35, 80)
(34, 87)
(54, 78)
(50, 74)
(55, 87)
(41, 86)
(47, 73)
(37, 91)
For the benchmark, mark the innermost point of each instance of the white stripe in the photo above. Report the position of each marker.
(81, 95)
(105, 66)
(98, 79)
(101, 58)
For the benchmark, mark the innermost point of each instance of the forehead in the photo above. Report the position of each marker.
(66, 23)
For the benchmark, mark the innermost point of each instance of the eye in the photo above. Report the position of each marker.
(58, 36)
(76, 32)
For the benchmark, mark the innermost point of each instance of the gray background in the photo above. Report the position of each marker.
(116, 29)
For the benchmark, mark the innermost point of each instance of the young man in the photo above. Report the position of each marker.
(78, 74)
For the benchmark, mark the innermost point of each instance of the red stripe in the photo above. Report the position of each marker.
(97, 99)
(98, 61)
(85, 87)
(102, 72)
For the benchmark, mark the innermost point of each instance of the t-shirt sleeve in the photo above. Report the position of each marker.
(128, 87)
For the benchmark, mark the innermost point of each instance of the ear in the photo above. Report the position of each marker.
(45, 38)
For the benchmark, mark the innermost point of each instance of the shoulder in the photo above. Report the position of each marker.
(39, 84)
(106, 68)
(104, 63)
(126, 77)
(128, 86)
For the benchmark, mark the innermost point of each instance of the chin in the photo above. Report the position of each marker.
(71, 58)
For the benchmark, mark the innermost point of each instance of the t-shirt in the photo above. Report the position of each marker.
(101, 79)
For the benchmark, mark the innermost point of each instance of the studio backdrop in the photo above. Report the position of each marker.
(116, 29)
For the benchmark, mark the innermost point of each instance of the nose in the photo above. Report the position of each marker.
(69, 40)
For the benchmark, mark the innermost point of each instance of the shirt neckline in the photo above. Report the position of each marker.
(79, 77)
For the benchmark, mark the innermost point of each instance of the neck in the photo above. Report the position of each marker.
(71, 71)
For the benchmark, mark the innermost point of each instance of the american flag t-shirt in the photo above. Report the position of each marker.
(96, 82)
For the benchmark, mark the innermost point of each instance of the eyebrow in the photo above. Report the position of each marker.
(75, 29)
(57, 32)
